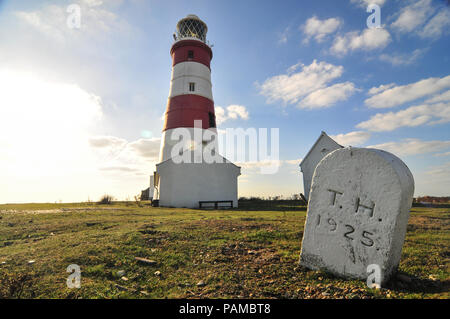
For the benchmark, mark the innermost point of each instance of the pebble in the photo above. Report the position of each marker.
(145, 261)
(30, 262)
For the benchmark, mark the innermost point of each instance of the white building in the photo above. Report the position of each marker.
(321, 148)
(186, 184)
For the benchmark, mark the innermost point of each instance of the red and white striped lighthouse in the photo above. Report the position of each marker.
(192, 183)
(190, 95)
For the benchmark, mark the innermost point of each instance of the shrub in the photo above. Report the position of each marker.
(13, 285)
(106, 200)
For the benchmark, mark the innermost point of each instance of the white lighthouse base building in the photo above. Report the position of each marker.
(188, 184)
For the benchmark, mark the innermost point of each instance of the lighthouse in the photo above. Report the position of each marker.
(183, 178)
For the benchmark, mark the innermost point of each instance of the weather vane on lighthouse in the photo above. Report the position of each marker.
(190, 112)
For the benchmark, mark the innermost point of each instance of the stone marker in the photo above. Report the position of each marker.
(357, 213)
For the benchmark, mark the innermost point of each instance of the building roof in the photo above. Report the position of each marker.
(322, 134)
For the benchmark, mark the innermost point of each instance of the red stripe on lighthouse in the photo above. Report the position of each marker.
(183, 110)
(201, 52)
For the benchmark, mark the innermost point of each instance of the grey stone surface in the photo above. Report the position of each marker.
(358, 212)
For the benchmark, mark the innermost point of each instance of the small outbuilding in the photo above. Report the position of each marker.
(321, 148)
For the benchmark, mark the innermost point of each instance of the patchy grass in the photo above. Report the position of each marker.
(250, 252)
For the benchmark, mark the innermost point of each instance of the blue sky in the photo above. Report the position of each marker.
(300, 66)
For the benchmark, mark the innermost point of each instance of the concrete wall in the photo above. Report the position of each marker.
(151, 189)
(184, 185)
(167, 143)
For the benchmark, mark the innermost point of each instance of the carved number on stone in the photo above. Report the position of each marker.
(332, 223)
(352, 230)
(370, 241)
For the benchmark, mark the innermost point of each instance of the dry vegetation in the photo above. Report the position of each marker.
(250, 252)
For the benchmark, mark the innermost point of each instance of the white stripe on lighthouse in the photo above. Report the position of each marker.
(184, 73)
(167, 143)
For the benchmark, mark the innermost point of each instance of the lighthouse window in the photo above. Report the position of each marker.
(212, 119)
(191, 86)
(190, 54)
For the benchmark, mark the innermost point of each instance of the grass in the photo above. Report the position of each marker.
(250, 252)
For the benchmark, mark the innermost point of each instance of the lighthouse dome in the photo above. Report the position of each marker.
(191, 27)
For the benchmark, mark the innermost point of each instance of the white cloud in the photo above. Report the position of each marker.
(352, 139)
(418, 18)
(294, 161)
(328, 96)
(92, 3)
(308, 87)
(442, 154)
(107, 142)
(437, 26)
(440, 171)
(410, 117)
(294, 67)
(369, 39)
(43, 118)
(365, 3)
(434, 181)
(403, 59)
(146, 148)
(319, 29)
(443, 97)
(413, 16)
(97, 20)
(107, 147)
(118, 156)
(283, 36)
(406, 93)
(381, 88)
(44, 131)
(231, 112)
(48, 144)
(254, 165)
(412, 146)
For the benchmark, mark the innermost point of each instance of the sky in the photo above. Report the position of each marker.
(81, 108)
